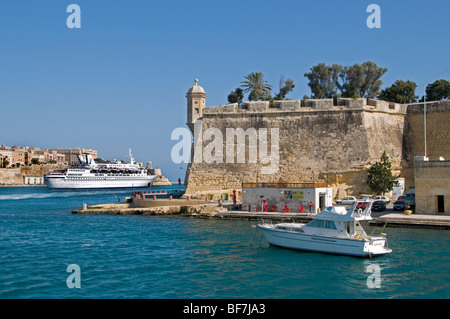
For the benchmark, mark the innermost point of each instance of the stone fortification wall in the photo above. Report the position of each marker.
(10, 176)
(15, 176)
(438, 131)
(308, 105)
(319, 140)
(433, 179)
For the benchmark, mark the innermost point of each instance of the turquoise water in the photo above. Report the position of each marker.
(157, 257)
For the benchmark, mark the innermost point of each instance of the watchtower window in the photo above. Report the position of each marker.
(196, 111)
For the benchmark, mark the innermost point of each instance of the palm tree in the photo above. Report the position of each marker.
(259, 88)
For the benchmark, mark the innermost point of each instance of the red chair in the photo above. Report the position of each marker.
(258, 208)
(273, 208)
(301, 209)
(266, 208)
(286, 209)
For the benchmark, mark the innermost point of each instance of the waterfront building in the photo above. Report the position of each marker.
(33, 180)
(286, 197)
(432, 186)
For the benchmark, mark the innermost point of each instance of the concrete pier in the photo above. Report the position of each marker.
(210, 209)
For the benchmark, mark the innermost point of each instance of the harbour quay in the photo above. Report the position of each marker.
(214, 209)
(149, 206)
(388, 218)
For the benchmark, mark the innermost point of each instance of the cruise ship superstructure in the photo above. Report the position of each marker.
(92, 175)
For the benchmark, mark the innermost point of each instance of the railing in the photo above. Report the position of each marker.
(362, 209)
(284, 185)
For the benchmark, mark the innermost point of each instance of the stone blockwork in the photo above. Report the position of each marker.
(438, 131)
(317, 141)
(432, 193)
(16, 176)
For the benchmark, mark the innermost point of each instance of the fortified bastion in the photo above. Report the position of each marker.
(306, 141)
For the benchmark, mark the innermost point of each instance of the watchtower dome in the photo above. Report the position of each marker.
(196, 98)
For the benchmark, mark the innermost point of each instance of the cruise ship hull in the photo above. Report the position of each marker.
(92, 175)
(92, 183)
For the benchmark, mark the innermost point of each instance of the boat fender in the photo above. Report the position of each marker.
(356, 236)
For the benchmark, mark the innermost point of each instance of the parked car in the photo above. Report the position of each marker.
(348, 200)
(383, 198)
(400, 205)
(379, 205)
(410, 200)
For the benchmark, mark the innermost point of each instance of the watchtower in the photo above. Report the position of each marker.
(196, 99)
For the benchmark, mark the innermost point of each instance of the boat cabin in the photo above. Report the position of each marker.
(335, 222)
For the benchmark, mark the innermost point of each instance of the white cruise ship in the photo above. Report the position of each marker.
(92, 175)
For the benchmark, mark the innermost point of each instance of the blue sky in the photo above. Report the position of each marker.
(120, 80)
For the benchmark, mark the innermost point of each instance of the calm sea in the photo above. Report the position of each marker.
(157, 257)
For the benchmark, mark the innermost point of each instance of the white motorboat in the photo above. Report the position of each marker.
(335, 230)
(92, 175)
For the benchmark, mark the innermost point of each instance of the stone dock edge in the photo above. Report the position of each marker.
(203, 209)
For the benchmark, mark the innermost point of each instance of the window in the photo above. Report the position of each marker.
(330, 224)
(318, 223)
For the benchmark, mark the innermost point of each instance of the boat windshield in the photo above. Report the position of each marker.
(319, 223)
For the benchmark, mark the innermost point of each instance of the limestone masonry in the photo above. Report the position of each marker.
(318, 141)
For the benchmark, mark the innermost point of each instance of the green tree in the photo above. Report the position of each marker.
(286, 86)
(259, 88)
(5, 163)
(236, 96)
(379, 176)
(361, 80)
(35, 161)
(358, 80)
(400, 92)
(323, 80)
(438, 90)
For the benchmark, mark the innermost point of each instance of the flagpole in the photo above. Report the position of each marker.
(425, 119)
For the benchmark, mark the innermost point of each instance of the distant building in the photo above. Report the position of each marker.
(5, 158)
(20, 156)
(33, 180)
(71, 154)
